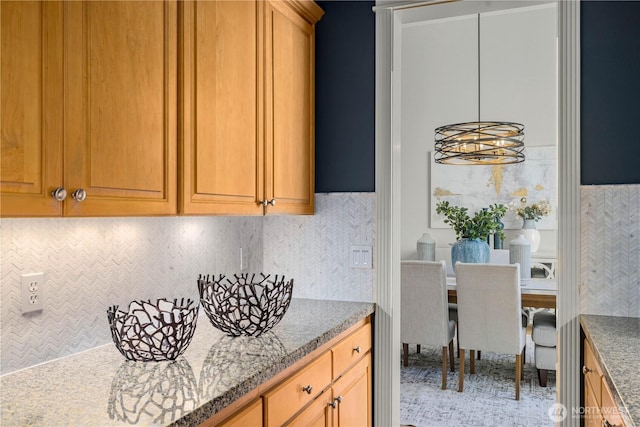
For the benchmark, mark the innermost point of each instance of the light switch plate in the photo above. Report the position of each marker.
(361, 256)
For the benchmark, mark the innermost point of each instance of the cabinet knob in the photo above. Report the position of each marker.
(79, 195)
(357, 349)
(307, 389)
(59, 194)
(606, 423)
(335, 402)
(585, 370)
(271, 202)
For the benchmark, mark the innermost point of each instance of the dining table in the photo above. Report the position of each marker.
(538, 293)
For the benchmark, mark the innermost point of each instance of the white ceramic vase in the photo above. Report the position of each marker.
(520, 252)
(532, 234)
(426, 248)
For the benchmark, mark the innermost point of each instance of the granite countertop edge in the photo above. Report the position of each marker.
(588, 323)
(212, 407)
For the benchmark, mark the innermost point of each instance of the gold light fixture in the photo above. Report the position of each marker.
(481, 142)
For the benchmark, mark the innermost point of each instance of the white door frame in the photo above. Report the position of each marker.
(388, 202)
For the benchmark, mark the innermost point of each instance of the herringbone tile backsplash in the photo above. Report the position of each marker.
(92, 263)
(610, 250)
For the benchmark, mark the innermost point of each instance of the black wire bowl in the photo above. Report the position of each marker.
(245, 304)
(153, 331)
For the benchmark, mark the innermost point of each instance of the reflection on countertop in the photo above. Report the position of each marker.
(99, 387)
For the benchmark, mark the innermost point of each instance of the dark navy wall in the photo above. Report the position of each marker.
(345, 97)
(610, 92)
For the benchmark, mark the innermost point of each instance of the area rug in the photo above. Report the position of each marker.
(489, 394)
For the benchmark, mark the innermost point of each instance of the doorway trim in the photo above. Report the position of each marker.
(388, 201)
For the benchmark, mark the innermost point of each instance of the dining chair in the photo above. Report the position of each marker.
(489, 314)
(425, 310)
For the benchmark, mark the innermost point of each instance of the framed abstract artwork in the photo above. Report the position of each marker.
(479, 186)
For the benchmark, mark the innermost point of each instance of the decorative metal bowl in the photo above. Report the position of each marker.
(245, 304)
(153, 332)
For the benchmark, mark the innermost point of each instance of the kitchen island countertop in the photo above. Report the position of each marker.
(615, 341)
(99, 387)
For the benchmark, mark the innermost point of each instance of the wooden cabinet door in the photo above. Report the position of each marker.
(289, 152)
(317, 414)
(353, 391)
(121, 107)
(222, 136)
(31, 119)
(251, 415)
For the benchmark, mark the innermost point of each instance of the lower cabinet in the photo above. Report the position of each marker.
(329, 388)
(250, 415)
(599, 406)
(352, 396)
(347, 403)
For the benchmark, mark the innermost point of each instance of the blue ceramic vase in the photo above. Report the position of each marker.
(470, 250)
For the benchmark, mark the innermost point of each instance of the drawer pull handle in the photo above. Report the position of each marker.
(307, 389)
(357, 349)
(586, 370)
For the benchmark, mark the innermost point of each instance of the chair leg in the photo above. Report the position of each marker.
(518, 374)
(451, 357)
(472, 362)
(479, 354)
(524, 357)
(405, 354)
(542, 377)
(457, 339)
(444, 367)
(418, 348)
(461, 371)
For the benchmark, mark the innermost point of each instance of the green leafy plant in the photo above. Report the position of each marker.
(482, 224)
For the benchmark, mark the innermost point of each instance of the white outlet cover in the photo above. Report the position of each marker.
(32, 292)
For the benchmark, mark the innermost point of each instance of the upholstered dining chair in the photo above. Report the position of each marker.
(425, 310)
(489, 314)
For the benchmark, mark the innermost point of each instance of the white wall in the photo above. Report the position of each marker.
(440, 86)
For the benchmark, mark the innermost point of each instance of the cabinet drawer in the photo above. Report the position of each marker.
(251, 415)
(289, 397)
(592, 373)
(351, 349)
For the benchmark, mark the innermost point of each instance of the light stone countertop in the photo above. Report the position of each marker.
(616, 343)
(99, 387)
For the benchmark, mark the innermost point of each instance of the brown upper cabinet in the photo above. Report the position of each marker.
(248, 107)
(101, 126)
(157, 108)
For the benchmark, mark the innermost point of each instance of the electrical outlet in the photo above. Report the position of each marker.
(361, 256)
(32, 292)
